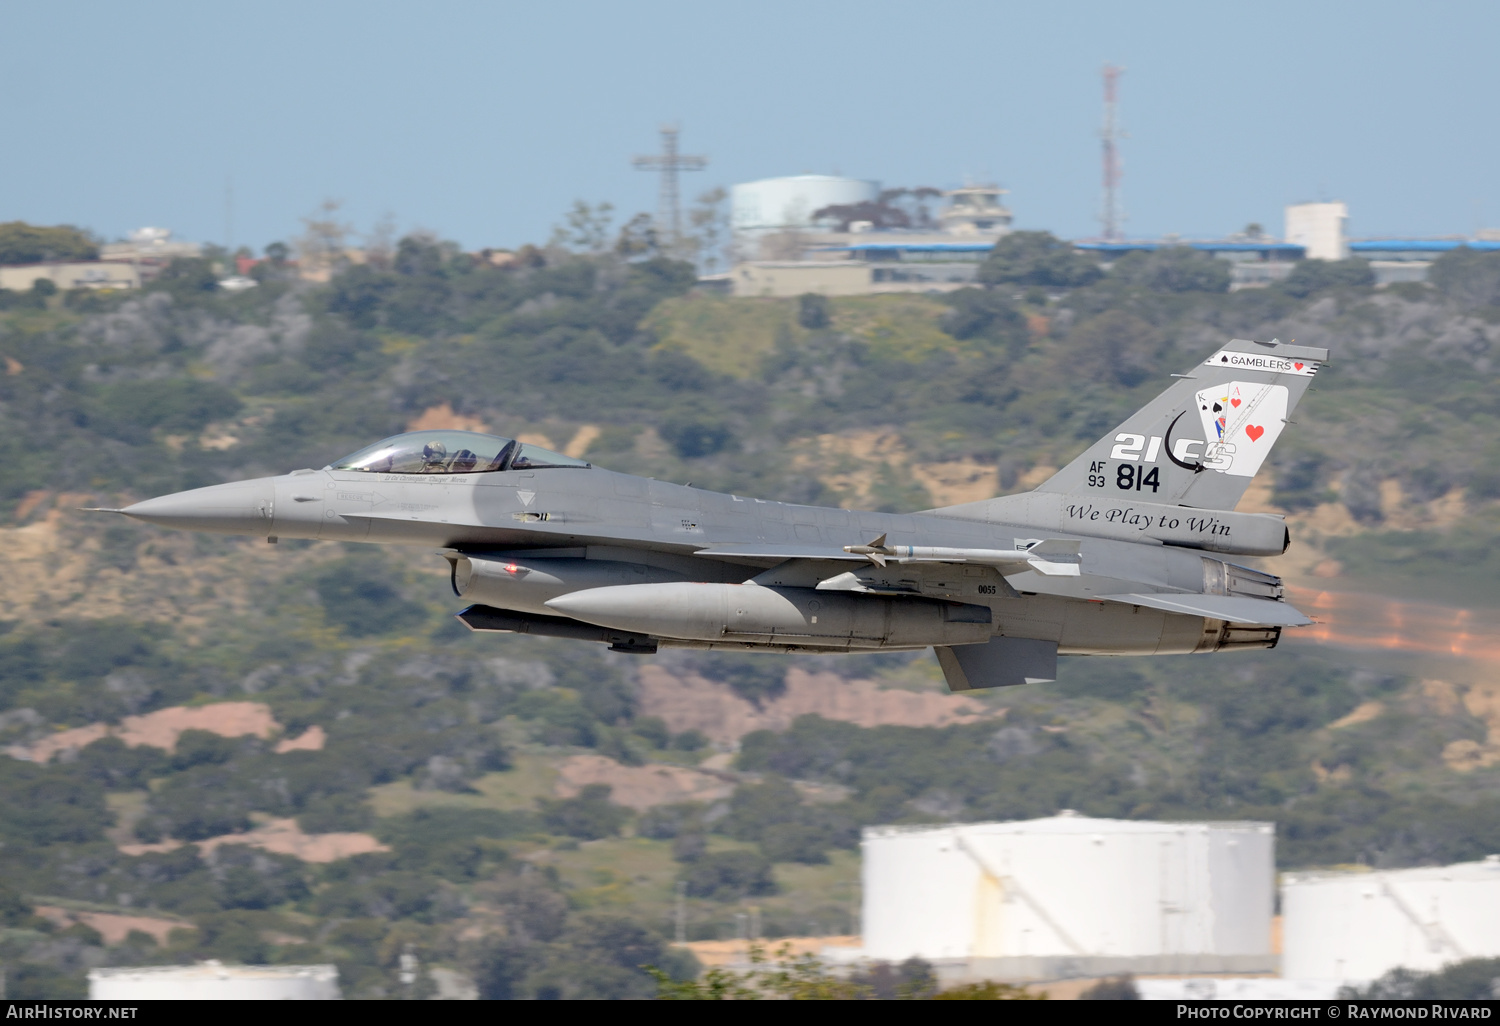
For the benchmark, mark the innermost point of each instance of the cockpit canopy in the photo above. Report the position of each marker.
(451, 452)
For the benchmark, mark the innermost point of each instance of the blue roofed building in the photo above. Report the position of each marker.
(863, 259)
(1253, 261)
(1398, 260)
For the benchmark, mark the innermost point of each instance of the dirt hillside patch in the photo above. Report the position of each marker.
(694, 703)
(442, 418)
(640, 787)
(310, 740)
(285, 837)
(280, 837)
(736, 953)
(52, 570)
(162, 728)
(112, 927)
(851, 464)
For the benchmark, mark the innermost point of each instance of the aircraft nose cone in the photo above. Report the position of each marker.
(239, 507)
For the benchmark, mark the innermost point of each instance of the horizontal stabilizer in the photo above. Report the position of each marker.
(1233, 608)
(999, 663)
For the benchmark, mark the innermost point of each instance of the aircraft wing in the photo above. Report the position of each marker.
(1234, 608)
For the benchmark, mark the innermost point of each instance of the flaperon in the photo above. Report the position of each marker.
(1119, 553)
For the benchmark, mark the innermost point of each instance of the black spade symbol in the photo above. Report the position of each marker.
(1218, 408)
(1223, 359)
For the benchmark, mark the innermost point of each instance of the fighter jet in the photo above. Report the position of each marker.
(1125, 551)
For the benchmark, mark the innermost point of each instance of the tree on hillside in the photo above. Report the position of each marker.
(1311, 276)
(21, 243)
(1120, 343)
(1475, 979)
(322, 247)
(585, 228)
(979, 313)
(893, 208)
(1172, 269)
(812, 311)
(1037, 258)
(707, 242)
(1468, 276)
(187, 275)
(638, 239)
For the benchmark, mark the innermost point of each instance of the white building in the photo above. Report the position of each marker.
(212, 981)
(976, 210)
(1319, 228)
(152, 245)
(1359, 925)
(772, 219)
(788, 204)
(782, 249)
(1070, 895)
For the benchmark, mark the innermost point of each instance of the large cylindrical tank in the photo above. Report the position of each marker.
(1360, 925)
(783, 204)
(527, 584)
(1068, 886)
(212, 981)
(751, 613)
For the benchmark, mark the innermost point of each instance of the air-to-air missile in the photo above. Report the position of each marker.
(1122, 552)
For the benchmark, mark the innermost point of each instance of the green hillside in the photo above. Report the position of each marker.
(441, 751)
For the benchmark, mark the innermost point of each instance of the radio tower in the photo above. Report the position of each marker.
(667, 164)
(1113, 214)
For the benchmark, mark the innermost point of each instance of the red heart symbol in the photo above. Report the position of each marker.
(1234, 402)
(1254, 432)
(1297, 365)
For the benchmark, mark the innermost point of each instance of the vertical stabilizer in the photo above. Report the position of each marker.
(1201, 441)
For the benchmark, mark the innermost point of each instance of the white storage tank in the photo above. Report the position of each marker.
(788, 204)
(1359, 925)
(213, 981)
(1070, 886)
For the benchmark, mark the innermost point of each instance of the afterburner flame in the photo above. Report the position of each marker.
(1354, 620)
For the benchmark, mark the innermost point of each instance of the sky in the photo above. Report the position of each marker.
(483, 122)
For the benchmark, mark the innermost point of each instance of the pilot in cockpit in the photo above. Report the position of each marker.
(434, 457)
(452, 452)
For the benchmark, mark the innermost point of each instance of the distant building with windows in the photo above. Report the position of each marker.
(805, 256)
(1252, 262)
(1398, 260)
(79, 274)
(1321, 229)
(792, 253)
(150, 246)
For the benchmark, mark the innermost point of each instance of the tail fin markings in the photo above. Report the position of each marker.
(1201, 441)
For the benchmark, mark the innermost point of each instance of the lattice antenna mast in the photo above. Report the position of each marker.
(1114, 215)
(668, 163)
